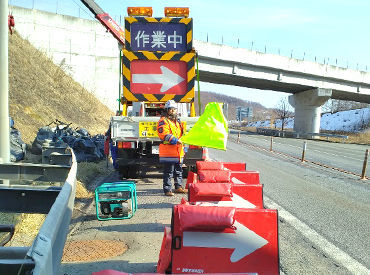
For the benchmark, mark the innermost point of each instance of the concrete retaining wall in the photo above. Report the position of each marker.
(81, 47)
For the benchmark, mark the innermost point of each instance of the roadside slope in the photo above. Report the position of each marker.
(40, 92)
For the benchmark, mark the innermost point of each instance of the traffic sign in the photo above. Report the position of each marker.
(252, 246)
(158, 77)
(158, 34)
(243, 241)
(149, 76)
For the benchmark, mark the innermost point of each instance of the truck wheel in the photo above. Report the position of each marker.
(124, 171)
(185, 171)
(133, 172)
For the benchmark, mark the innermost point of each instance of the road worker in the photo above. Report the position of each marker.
(171, 150)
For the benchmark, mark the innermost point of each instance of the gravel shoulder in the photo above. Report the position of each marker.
(142, 233)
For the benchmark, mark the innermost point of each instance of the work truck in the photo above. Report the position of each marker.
(136, 143)
(157, 64)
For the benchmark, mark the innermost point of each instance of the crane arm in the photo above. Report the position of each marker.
(105, 20)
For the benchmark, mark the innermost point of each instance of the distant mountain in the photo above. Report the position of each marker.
(233, 103)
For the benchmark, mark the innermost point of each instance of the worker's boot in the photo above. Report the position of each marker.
(168, 194)
(181, 190)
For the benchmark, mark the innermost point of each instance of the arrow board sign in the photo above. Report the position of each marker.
(158, 77)
(244, 241)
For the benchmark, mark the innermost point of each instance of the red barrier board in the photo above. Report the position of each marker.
(209, 165)
(243, 196)
(236, 177)
(214, 176)
(164, 260)
(221, 165)
(251, 247)
(235, 166)
(246, 177)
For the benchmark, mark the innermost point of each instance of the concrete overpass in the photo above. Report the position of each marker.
(311, 84)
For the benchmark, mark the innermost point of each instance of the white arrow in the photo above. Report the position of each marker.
(236, 201)
(236, 181)
(244, 241)
(167, 78)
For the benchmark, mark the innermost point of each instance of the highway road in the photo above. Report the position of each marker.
(327, 209)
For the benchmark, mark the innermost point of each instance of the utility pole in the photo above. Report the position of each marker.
(4, 85)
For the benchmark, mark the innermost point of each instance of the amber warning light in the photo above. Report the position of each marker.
(176, 12)
(139, 11)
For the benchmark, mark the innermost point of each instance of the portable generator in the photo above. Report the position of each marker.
(115, 200)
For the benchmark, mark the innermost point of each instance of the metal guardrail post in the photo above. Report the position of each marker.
(304, 150)
(271, 142)
(363, 174)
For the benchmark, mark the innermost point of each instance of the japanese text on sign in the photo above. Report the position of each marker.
(148, 129)
(158, 37)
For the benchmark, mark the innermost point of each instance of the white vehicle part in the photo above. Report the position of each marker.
(138, 109)
(127, 128)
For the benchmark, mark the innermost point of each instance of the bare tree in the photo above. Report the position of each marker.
(283, 111)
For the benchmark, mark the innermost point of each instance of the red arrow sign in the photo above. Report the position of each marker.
(158, 77)
(251, 247)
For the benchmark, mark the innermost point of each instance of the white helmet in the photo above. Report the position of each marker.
(170, 104)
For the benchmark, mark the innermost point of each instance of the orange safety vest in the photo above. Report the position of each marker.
(169, 132)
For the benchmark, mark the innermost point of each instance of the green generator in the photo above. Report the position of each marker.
(115, 200)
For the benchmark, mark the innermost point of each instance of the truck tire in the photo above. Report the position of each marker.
(124, 171)
(129, 171)
(133, 172)
(185, 171)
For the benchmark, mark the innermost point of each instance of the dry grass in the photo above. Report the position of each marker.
(86, 172)
(40, 92)
(357, 138)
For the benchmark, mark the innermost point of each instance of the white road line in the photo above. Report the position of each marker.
(330, 249)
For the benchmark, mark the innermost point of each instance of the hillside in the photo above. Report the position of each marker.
(40, 92)
(232, 102)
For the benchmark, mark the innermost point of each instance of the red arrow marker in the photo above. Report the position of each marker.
(167, 78)
(158, 77)
(244, 241)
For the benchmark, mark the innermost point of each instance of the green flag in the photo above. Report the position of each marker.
(210, 130)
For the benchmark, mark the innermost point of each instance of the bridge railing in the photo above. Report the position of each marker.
(44, 255)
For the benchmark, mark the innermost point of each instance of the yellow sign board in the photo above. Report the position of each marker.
(149, 129)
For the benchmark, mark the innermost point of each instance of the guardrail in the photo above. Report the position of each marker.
(44, 255)
(291, 134)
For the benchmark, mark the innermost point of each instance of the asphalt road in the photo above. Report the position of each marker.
(334, 204)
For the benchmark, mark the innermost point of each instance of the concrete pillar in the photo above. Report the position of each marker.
(4, 84)
(4, 87)
(308, 109)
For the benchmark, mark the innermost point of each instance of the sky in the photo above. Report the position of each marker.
(334, 30)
